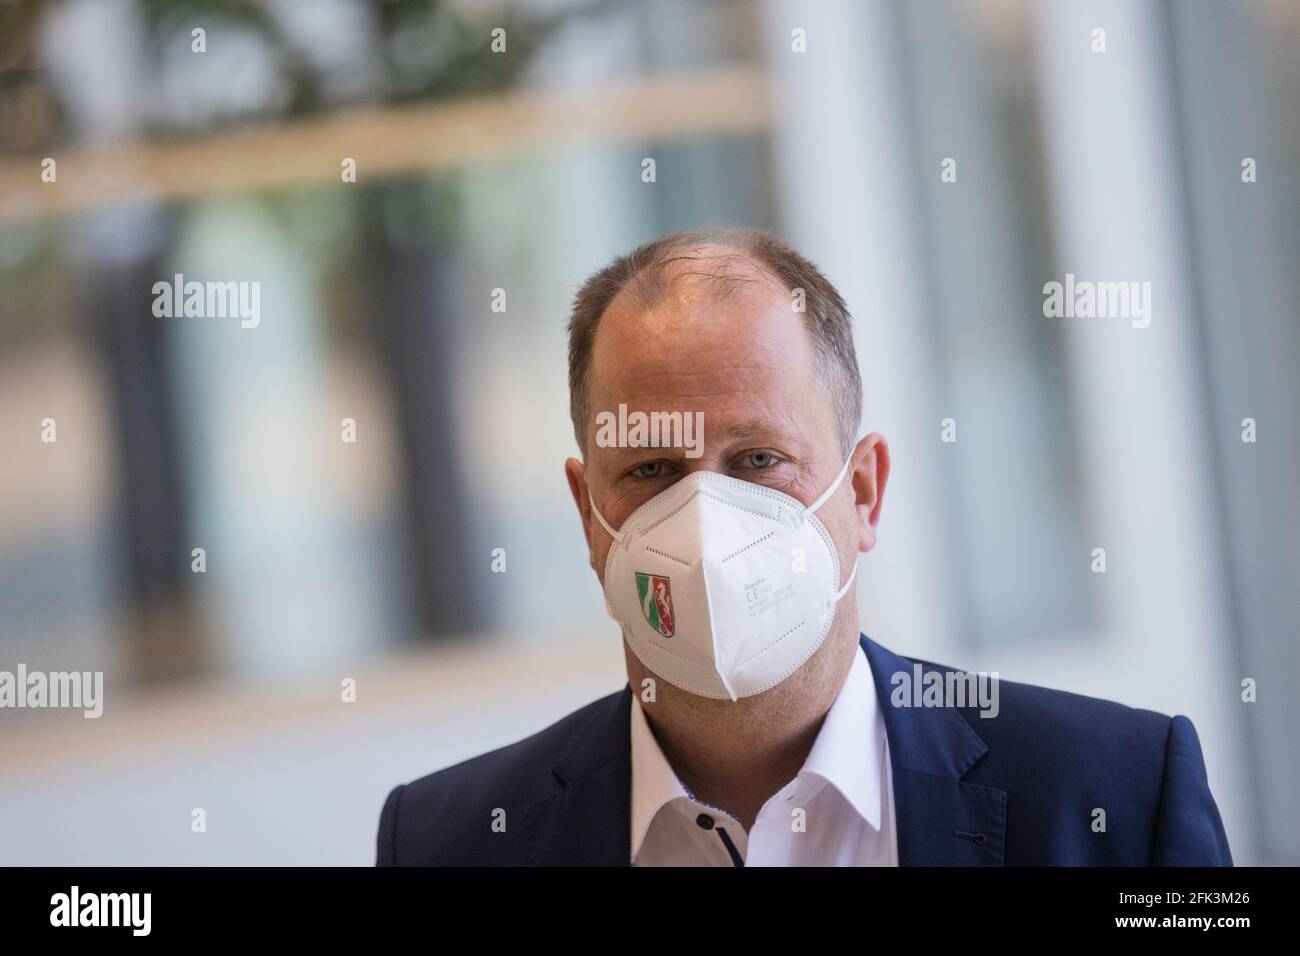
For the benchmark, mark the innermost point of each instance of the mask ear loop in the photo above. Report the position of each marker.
(599, 517)
(847, 584)
(821, 501)
(826, 495)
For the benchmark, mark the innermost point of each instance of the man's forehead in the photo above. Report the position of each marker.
(738, 354)
(694, 333)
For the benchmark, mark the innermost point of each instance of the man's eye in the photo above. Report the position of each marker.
(760, 459)
(649, 469)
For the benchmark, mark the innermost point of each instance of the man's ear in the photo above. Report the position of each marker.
(869, 473)
(575, 473)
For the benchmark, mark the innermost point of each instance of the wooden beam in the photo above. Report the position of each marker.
(387, 142)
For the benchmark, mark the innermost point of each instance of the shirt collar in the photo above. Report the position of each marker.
(654, 783)
(847, 751)
(846, 754)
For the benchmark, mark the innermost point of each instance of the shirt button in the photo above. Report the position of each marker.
(704, 821)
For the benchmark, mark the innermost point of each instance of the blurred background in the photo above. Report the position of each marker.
(521, 170)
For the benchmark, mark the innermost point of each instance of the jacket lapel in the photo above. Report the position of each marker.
(584, 818)
(940, 820)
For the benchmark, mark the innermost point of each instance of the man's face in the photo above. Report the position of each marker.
(744, 360)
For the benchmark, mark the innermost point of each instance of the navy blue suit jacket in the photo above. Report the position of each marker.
(1018, 789)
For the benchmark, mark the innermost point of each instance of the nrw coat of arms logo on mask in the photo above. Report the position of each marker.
(656, 596)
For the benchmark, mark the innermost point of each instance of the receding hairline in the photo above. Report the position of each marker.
(662, 277)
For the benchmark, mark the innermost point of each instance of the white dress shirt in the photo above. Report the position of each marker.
(844, 790)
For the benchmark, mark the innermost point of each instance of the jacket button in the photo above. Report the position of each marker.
(704, 821)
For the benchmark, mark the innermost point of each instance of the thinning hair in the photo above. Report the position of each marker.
(648, 272)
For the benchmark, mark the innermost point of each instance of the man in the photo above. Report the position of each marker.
(758, 726)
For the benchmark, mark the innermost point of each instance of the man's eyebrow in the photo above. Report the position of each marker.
(616, 456)
(621, 453)
(754, 427)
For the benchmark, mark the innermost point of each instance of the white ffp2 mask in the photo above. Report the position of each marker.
(723, 587)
